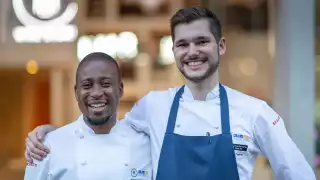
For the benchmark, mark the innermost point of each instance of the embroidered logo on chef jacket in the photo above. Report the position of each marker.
(241, 136)
(138, 172)
(31, 164)
(276, 121)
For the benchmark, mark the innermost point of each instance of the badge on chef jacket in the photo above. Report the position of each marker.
(139, 172)
(240, 143)
(241, 137)
(240, 149)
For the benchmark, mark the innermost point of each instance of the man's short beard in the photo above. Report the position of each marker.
(212, 69)
(98, 122)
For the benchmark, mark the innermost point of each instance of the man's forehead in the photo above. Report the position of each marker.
(99, 68)
(97, 64)
(194, 29)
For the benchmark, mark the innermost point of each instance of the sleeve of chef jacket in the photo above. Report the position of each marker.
(38, 170)
(137, 117)
(286, 160)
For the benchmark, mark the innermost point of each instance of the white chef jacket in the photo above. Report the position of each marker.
(77, 153)
(252, 122)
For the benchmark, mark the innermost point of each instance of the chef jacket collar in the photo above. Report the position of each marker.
(83, 128)
(213, 94)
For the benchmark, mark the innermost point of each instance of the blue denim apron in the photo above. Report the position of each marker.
(198, 157)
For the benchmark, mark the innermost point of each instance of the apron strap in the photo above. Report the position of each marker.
(174, 110)
(224, 110)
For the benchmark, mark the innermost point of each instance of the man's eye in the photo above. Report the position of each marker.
(182, 45)
(86, 86)
(106, 84)
(202, 42)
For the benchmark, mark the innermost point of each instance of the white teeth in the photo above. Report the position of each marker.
(195, 63)
(97, 105)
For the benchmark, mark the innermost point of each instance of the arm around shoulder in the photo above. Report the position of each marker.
(138, 115)
(37, 170)
(286, 160)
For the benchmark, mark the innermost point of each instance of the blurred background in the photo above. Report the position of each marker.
(273, 53)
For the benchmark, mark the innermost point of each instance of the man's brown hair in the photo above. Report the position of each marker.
(190, 14)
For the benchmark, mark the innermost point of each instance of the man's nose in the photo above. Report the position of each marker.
(193, 51)
(97, 92)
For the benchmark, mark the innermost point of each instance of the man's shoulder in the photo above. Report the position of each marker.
(162, 94)
(61, 133)
(125, 129)
(243, 102)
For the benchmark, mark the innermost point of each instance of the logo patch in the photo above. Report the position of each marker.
(240, 147)
(135, 172)
(241, 136)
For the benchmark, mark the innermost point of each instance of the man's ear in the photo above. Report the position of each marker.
(121, 89)
(222, 46)
(75, 92)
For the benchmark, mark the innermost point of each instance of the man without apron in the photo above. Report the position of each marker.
(205, 130)
(95, 146)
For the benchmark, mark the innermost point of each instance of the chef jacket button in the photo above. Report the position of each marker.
(81, 137)
(84, 163)
(178, 125)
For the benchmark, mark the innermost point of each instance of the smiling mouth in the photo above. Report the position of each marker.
(197, 63)
(98, 107)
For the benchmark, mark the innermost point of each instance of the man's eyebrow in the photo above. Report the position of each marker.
(180, 41)
(109, 78)
(201, 37)
(194, 39)
(106, 78)
(84, 80)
